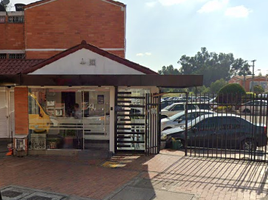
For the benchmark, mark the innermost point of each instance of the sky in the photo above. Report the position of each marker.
(159, 32)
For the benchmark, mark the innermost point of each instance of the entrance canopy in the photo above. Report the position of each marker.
(168, 81)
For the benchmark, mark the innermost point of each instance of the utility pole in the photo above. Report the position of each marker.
(252, 85)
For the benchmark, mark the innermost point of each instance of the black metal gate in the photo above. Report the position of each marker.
(130, 121)
(237, 129)
(153, 124)
(137, 125)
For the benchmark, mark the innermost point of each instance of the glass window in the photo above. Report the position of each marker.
(33, 107)
(191, 107)
(3, 56)
(178, 107)
(2, 19)
(16, 19)
(16, 56)
(210, 124)
(70, 118)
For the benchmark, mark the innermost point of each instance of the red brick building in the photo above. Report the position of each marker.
(57, 92)
(46, 28)
(246, 82)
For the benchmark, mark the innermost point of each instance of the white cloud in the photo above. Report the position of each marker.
(213, 6)
(150, 4)
(238, 11)
(170, 2)
(144, 54)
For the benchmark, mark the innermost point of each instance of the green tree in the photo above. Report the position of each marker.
(258, 89)
(212, 66)
(217, 85)
(169, 70)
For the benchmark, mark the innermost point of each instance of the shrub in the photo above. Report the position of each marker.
(258, 89)
(231, 94)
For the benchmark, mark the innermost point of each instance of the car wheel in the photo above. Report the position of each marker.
(246, 111)
(169, 143)
(249, 145)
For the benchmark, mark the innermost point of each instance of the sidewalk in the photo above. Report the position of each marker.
(169, 175)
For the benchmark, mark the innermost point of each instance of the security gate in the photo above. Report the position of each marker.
(137, 126)
(237, 129)
(152, 131)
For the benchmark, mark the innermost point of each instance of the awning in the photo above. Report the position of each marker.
(168, 81)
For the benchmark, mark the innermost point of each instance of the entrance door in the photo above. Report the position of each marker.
(96, 118)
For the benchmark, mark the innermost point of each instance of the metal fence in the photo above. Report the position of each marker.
(227, 126)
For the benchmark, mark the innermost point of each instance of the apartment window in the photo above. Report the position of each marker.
(2, 19)
(16, 19)
(16, 56)
(3, 56)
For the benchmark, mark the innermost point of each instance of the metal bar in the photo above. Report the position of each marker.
(129, 97)
(146, 125)
(115, 119)
(159, 122)
(186, 126)
(131, 124)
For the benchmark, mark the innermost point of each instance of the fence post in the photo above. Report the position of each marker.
(186, 127)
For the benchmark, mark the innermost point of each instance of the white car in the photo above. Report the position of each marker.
(179, 118)
(176, 108)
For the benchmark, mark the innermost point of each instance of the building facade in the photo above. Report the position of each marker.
(57, 92)
(44, 28)
(247, 82)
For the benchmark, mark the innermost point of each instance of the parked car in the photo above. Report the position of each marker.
(255, 106)
(221, 131)
(179, 118)
(202, 98)
(165, 104)
(203, 105)
(176, 108)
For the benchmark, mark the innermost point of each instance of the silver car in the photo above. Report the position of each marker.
(176, 108)
(179, 118)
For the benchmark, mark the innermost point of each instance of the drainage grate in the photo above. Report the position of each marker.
(11, 194)
(38, 198)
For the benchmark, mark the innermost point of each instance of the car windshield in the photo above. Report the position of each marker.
(168, 107)
(176, 116)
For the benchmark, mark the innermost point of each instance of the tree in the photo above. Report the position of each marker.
(231, 94)
(241, 67)
(217, 85)
(4, 3)
(258, 89)
(169, 70)
(212, 66)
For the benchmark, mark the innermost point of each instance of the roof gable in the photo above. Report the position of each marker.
(111, 64)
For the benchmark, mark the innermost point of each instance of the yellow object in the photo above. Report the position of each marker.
(39, 120)
(113, 164)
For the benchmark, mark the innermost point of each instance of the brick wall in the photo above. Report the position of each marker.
(21, 110)
(48, 54)
(12, 36)
(62, 24)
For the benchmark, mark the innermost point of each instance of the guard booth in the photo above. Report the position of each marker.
(111, 104)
